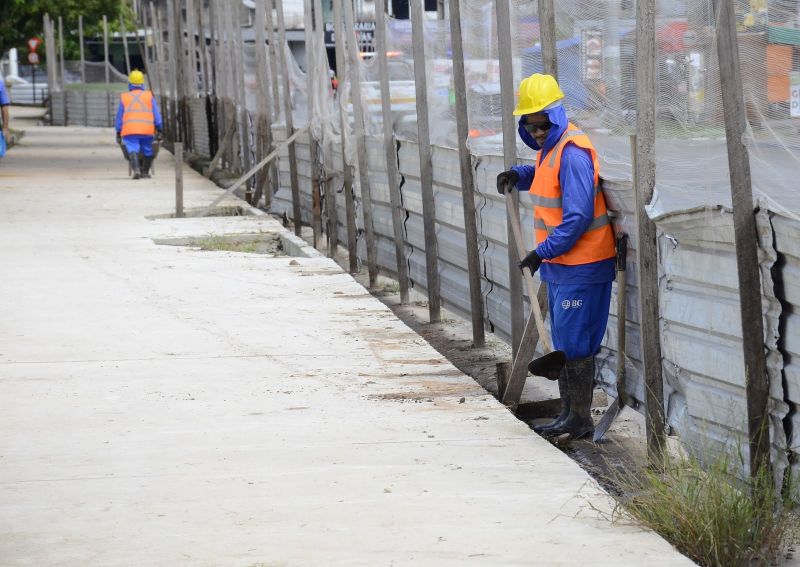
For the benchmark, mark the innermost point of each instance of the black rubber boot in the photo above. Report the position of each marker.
(580, 382)
(146, 161)
(563, 391)
(136, 166)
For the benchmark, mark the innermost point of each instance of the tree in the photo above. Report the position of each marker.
(22, 19)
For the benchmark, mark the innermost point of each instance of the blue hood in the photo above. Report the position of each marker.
(558, 117)
(141, 88)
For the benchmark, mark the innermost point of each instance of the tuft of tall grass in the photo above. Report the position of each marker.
(706, 513)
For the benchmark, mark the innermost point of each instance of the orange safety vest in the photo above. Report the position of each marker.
(137, 117)
(597, 243)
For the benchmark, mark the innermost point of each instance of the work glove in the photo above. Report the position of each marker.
(531, 261)
(506, 181)
(159, 135)
(119, 138)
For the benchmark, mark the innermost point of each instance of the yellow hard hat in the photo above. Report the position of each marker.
(536, 93)
(136, 77)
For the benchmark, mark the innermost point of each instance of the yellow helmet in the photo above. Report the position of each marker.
(536, 93)
(136, 77)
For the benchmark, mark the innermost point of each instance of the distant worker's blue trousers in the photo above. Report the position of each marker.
(138, 143)
(578, 317)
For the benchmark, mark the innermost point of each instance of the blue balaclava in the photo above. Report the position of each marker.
(558, 117)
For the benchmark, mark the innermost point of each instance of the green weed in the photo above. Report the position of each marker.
(706, 513)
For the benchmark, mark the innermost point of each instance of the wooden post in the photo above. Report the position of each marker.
(349, 205)
(191, 44)
(312, 77)
(287, 109)
(105, 50)
(547, 36)
(124, 33)
(330, 193)
(264, 134)
(274, 74)
(217, 74)
(63, 69)
(49, 47)
(83, 71)
(425, 164)
(467, 180)
(190, 88)
(391, 152)
(178, 180)
(510, 159)
(746, 238)
(244, 117)
(202, 49)
(647, 247)
(158, 44)
(106, 67)
(173, 70)
(361, 144)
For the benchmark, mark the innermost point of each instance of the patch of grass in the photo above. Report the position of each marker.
(214, 242)
(706, 513)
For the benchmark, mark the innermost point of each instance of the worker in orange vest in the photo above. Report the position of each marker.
(138, 121)
(575, 247)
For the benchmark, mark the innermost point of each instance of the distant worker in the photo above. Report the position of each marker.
(5, 101)
(575, 246)
(138, 121)
(334, 81)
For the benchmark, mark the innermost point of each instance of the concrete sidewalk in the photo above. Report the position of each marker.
(162, 405)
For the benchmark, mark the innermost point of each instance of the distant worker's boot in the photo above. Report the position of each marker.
(136, 165)
(146, 161)
(563, 391)
(580, 382)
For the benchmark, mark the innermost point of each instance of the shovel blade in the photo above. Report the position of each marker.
(606, 421)
(548, 366)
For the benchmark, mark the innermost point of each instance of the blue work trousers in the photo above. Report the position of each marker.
(138, 143)
(578, 317)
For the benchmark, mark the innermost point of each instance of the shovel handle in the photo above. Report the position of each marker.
(622, 253)
(536, 311)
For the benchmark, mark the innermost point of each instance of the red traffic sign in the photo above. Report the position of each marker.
(33, 43)
(33, 58)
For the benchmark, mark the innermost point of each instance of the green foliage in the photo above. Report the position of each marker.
(23, 19)
(706, 514)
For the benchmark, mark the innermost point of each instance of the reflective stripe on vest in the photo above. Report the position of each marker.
(597, 241)
(137, 117)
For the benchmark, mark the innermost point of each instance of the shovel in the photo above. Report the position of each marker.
(622, 396)
(549, 365)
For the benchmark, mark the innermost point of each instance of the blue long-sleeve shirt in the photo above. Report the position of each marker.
(576, 176)
(156, 112)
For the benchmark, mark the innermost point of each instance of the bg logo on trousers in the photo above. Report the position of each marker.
(572, 304)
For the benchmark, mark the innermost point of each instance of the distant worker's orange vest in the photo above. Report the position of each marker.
(597, 243)
(137, 119)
